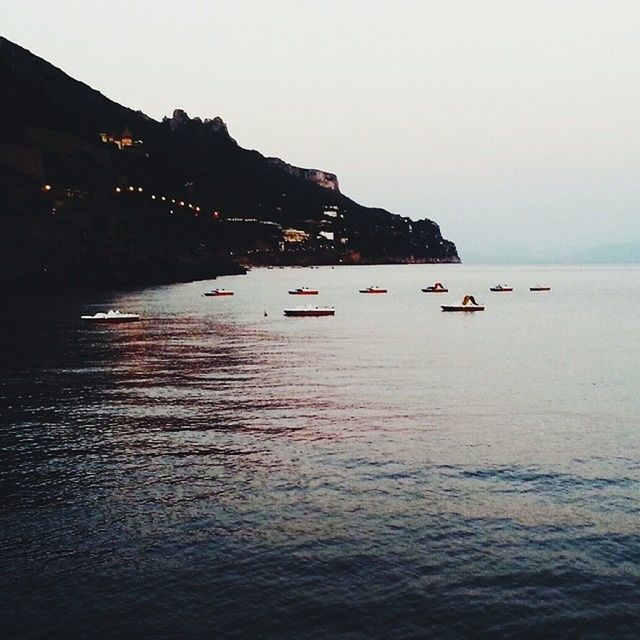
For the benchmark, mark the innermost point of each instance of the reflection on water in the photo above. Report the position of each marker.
(388, 472)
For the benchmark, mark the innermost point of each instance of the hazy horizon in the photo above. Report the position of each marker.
(513, 125)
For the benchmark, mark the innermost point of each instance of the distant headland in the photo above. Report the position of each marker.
(92, 192)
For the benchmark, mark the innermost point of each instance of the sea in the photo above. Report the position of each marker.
(218, 470)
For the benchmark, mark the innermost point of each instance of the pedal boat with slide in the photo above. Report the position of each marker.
(469, 305)
(435, 288)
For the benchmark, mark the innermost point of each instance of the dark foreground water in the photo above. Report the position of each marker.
(391, 472)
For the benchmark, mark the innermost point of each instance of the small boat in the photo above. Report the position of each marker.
(469, 304)
(436, 288)
(373, 290)
(218, 292)
(301, 312)
(111, 317)
(501, 287)
(540, 287)
(303, 291)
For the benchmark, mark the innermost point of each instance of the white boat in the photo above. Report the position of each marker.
(218, 292)
(301, 312)
(469, 304)
(111, 317)
(501, 287)
(373, 290)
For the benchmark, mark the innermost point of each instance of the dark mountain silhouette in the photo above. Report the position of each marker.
(94, 192)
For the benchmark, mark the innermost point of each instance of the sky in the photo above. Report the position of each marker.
(515, 125)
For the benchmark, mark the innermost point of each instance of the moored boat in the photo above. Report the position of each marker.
(540, 287)
(303, 291)
(111, 317)
(501, 287)
(218, 292)
(438, 287)
(373, 290)
(469, 304)
(300, 312)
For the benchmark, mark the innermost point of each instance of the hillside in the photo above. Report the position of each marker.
(94, 192)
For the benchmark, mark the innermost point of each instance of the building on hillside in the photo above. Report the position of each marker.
(331, 211)
(122, 140)
(328, 235)
(294, 235)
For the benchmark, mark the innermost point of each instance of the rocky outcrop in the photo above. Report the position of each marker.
(316, 176)
(181, 122)
(216, 124)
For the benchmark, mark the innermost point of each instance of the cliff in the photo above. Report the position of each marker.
(92, 191)
(323, 179)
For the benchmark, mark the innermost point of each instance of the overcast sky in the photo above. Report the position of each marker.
(513, 124)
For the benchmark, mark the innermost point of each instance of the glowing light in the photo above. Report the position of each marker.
(153, 197)
(181, 203)
(118, 189)
(163, 198)
(47, 187)
(130, 188)
(140, 189)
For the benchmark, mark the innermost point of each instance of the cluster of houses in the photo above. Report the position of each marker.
(122, 140)
(327, 229)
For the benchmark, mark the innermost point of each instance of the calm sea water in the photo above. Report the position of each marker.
(390, 472)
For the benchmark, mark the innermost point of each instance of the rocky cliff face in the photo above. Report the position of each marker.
(316, 176)
(181, 122)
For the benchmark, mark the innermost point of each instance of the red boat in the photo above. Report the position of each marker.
(219, 292)
(373, 290)
(303, 291)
